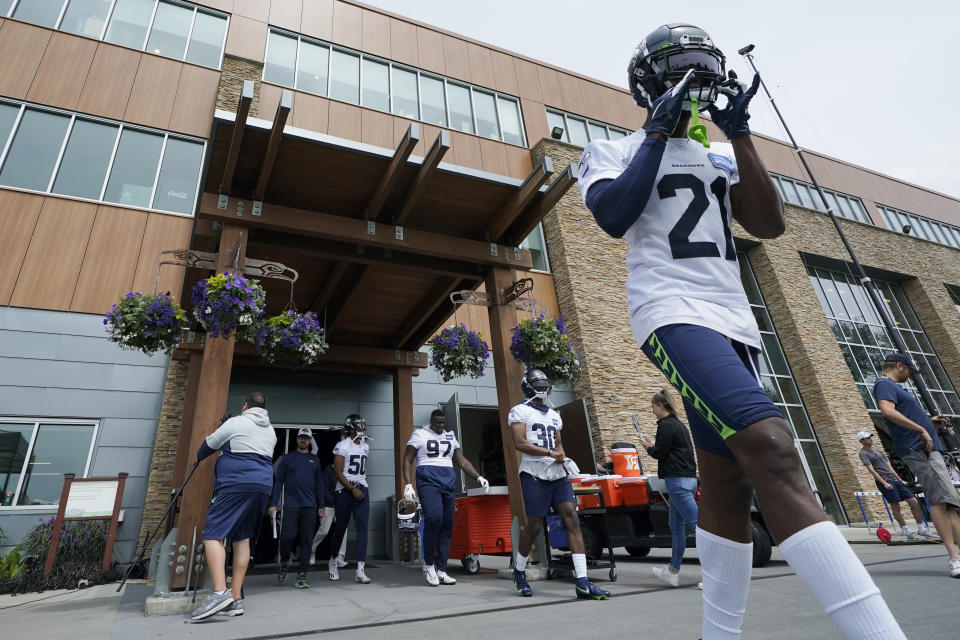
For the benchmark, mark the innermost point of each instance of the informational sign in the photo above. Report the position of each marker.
(91, 499)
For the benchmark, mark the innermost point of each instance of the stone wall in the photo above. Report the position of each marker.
(235, 71)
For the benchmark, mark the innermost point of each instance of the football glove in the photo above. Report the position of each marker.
(732, 119)
(666, 110)
(409, 494)
(571, 467)
(484, 483)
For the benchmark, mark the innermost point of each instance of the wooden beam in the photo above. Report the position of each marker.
(529, 220)
(333, 227)
(329, 286)
(239, 125)
(273, 146)
(430, 162)
(438, 296)
(346, 354)
(389, 178)
(402, 421)
(343, 303)
(521, 199)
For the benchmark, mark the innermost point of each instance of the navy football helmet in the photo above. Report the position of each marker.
(535, 384)
(354, 425)
(408, 516)
(663, 58)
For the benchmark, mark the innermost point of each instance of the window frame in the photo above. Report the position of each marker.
(36, 422)
(564, 115)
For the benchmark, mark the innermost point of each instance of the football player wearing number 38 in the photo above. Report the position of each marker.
(544, 482)
(433, 450)
(673, 198)
(351, 495)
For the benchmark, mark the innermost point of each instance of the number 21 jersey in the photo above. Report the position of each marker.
(682, 264)
(542, 427)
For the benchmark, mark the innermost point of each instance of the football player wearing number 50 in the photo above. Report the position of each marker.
(544, 482)
(673, 197)
(433, 450)
(351, 495)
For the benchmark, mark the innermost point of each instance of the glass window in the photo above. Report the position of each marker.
(42, 12)
(177, 185)
(312, 68)
(406, 102)
(510, 121)
(615, 134)
(555, 120)
(171, 26)
(58, 449)
(85, 17)
(538, 249)
(5, 6)
(376, 85)
(345, 77)
(832, 201)
(84, 164)
(486, 109)
(578, 131)
(134, 168)
(206, 41)
(8, 115)
(434, 104)
(597, 132)
(281, 59)
(461, 111)
(14, 445)
(34, 150)
(955, 234)
(129, 22)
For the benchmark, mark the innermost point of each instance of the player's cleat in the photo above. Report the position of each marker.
(520, 579)
(234, 609)
(361, 577)
(333, 570)
(586, 590)
(445, 579)
(302, 581)
(341, 563)
(430, 573)
(282, 573)
(664, 573)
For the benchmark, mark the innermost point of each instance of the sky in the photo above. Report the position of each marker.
(866, 82)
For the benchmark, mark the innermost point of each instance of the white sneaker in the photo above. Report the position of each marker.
(430, 573)
(362, 577)
(955, 567)
(664, 573)
(313, 561)
(908, 533)
(700, 586)
(341, 562)
(445, 579)
(334, 571)
(926, 532)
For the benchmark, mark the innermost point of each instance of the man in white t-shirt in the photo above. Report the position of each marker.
(433, 450)
(673, 197)
(543, 480)
(351, 495)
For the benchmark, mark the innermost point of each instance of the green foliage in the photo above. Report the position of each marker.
(146, 323)
(81, 541)
(11, 564)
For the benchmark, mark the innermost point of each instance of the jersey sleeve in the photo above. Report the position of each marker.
(516, 415)
(600, 160)
(456, 443)
(722, 156)
(415, 440)
(340, 449)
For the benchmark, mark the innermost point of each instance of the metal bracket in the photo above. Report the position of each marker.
(533, 306)
(222, 201)
(517, 289)
(191, 258)
(257, 207)
(371, 228)
(469, 296)
(398, 232)
(240, 208)
(516, 254)
(493, 249)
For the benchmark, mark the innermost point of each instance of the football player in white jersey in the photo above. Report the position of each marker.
(673, 198)
(351, 495)
(543, 480)
(433, 450)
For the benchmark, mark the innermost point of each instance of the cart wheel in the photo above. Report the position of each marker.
(613, 574)
(471, 564)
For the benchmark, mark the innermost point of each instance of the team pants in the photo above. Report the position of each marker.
(438, 504)
(298, 523)
(326, 523)
(345, 505)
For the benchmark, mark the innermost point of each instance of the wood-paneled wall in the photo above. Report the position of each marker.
(68, 255)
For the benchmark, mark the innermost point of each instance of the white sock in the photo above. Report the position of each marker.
(579, 564)
(838, 581)
(219, 593)
(521, 562)
(726, 567)
(905, 529)
(360, 566)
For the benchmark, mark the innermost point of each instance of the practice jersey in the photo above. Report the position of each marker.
(433, 449)
(542, 427)
(682, 264)
(354, 461)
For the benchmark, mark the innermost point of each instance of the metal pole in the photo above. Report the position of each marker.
(865, 280)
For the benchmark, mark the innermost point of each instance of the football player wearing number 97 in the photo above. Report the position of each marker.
(351, 495)
(433, 450)
(544, 483)
(673, 197)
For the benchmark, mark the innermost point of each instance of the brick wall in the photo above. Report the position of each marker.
(235, 71)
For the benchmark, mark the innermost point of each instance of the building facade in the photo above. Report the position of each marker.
(117, 121)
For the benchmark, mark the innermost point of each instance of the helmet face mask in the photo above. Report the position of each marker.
(535, 384)
(663, 57)
(354, 426)
(408, 516)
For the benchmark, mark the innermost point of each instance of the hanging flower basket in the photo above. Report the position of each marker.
(539, 343)
(146, 323)
(228, 303)
(291, 338)
(457, 351)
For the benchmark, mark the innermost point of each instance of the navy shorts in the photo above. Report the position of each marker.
(234, 515)
(899, 493)
(540, 495)
(718, 379)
